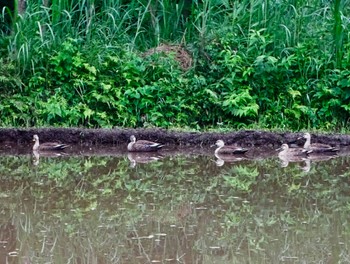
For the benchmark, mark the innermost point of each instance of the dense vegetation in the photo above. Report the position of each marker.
(256, 64)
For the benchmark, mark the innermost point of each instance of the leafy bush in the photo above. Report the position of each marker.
(80, 64)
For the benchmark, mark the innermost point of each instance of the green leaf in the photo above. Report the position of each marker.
(88, 112)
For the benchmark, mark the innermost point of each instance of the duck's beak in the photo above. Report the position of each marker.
(278, 149)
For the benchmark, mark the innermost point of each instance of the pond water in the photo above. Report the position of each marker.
(183, 206)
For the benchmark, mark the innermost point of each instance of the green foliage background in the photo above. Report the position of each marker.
(256, 64)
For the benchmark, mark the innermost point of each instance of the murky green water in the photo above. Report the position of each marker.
(179, 208)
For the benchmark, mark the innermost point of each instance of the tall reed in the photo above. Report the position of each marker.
(338, 33)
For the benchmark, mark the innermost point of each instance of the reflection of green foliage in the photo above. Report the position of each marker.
(241, 178)
(99, 206)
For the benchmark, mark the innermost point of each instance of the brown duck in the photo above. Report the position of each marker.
(143, 145)
(229, 149)
(317, 147)
(47, 146)
(287, 155)
(286, 152)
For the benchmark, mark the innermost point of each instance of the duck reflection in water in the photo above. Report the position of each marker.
(37, 154)
(221, 159)
(142, 157)
(307, 163)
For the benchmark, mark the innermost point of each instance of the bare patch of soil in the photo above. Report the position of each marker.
(181, 54)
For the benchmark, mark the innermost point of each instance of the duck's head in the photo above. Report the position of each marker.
(283, 147)
(132, 138)
(219, 143)
(35, 138)
(306, 135)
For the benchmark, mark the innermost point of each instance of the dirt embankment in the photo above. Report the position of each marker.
(111, 137)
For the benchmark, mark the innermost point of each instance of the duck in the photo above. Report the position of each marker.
(286, 152)
(229, 149)
(287, 155)
(143, 145)
(317, 147)
(47, 146)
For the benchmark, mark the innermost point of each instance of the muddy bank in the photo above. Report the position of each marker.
(112, 137)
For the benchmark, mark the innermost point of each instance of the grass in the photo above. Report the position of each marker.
(256, 63)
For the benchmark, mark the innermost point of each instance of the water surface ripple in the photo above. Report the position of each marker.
(185, 206)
